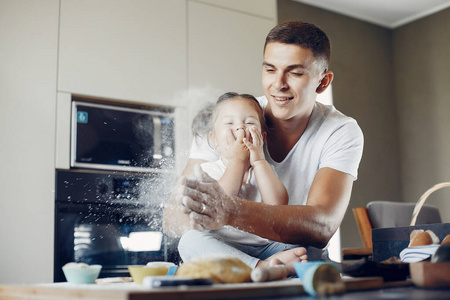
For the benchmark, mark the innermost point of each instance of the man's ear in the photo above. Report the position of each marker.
(325, 82)
(264, 136)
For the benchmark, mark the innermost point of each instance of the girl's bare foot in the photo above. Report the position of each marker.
(286, 257)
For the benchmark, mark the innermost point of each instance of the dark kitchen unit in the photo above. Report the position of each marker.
(110, 219)
(109, 202)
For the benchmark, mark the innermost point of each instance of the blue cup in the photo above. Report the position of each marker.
(319, 277)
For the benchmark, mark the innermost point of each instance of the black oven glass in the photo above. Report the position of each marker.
(112, 220)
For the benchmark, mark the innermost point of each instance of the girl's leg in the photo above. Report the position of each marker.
(195, 243)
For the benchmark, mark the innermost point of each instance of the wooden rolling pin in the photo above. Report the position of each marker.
(261, 274)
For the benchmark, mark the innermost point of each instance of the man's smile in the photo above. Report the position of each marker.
(282, 98)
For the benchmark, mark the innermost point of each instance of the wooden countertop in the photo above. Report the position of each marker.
(132, 291)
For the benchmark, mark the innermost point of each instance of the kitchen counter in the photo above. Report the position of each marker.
(287, 289)
(133, 291)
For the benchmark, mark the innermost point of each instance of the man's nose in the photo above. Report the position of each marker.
(280, 82)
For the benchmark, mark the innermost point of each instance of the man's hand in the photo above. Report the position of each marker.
(206, 203)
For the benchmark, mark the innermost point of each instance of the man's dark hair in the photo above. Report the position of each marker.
(302, 34)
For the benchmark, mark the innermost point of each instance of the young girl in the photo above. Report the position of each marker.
(237, 130)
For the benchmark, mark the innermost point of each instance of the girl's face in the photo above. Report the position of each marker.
(232, 115)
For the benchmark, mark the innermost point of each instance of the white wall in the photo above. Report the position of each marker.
(28, 59)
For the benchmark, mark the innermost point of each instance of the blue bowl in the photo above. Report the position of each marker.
(82, 275)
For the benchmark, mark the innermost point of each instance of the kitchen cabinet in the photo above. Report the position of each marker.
(177, 52)
(28, 73)
(130, 51)
(225, 47)
(124, 50)
(137, 51)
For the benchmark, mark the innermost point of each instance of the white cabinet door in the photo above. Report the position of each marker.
(129, 50)
(225, 51)
(226, 48)
(28, 52)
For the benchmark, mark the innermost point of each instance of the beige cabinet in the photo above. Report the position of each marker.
(129, 50)
(225, 48)
(172, 52)
(28, 64)
(225, 44)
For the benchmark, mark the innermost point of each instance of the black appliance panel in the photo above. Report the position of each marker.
(98, 215)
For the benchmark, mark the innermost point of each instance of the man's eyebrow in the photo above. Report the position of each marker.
(267, 64)
(291, 67)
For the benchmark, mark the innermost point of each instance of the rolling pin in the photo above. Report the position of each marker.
(261, 274)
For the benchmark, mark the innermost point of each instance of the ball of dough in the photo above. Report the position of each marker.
(219, 268)
(446, 240)
(159, 264)
(421, 238)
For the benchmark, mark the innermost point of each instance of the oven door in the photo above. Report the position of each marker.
(112, 236)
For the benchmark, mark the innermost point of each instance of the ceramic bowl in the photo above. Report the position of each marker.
(81, 275)
(139, 272)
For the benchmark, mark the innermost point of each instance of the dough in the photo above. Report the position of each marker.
(446, 240)
(420, 237)
(219, 268)
(159, 264)
(74, 265)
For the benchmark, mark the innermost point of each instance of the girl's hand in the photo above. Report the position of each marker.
(236, 148)
(254, 144)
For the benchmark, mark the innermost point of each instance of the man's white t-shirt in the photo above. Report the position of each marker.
(331, 140)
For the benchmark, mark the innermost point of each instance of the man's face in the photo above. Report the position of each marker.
(291, 74)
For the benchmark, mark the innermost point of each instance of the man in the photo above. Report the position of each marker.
(315, 149)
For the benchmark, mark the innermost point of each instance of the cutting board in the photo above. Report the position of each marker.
(132, 291)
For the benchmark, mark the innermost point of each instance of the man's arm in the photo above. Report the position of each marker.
(312, 224)
(175, 220)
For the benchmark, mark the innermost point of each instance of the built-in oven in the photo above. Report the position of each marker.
(111, 219)
(109, 203)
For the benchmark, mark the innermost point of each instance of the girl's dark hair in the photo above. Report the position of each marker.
(204, 120)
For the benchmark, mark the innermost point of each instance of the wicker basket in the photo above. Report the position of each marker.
(389, 242)
(424, 198)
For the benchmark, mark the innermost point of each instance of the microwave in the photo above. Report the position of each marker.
(113, 136)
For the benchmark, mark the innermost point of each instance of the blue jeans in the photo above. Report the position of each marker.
(195, 243)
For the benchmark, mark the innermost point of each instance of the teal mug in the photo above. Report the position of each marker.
(320, 278)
